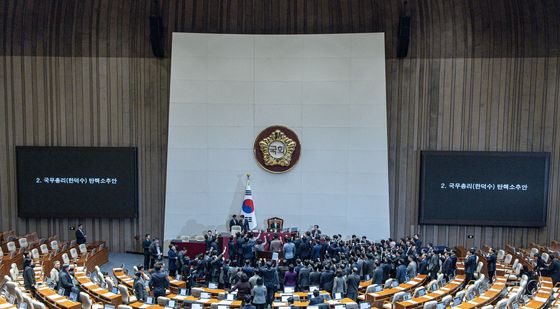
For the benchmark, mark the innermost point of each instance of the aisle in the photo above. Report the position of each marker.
(117, 259)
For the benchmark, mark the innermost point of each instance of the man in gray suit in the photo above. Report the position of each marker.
(140, 287)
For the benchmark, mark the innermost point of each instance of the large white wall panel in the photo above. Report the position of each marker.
(329, 89)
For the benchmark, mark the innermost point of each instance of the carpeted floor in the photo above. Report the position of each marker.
(118, 259)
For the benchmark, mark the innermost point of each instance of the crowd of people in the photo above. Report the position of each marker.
(309, 259)
(306, 260)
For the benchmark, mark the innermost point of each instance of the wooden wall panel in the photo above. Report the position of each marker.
(502, 104)
(440, 28)
(86, 101)
(480, 75)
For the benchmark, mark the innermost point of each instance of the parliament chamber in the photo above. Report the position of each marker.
(252, 154)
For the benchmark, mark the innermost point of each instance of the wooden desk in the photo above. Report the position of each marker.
(140, 305)
(176, 285)
(206, 302)
(542, 296)
(364, 284)
(123, 278)
(4, 304)
(460, 267)
(378, 297)
(53, 300)
(230, 303)
(332, 303)
(189, 299)
(302, 295)
(449, 289)
(97, 292)
(213, 292)
(488, 297)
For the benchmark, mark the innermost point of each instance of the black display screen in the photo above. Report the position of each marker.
(484, 188)
(77, 182)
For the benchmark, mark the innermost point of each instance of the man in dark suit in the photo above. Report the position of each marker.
(470, 265)
(401, 272)
(240, 244)
(305, 247)
(270, 280)
(423, 266)
(80, 235)
(159, 281)
(155, 250)
(417, 243)
(377, 274)
(446, 268)
(303, 277)
(66, 280)
(29, 277)
(491, 264)
(315, 276)
(433, 265)
(147, 254)
(554, 270)
(327, 279)
(315, 231)
(386, 266)
(233, 221)
(275, 226)
(316, 299)
(453, 257)
(244, 224)
(352, 284)
(26, 259)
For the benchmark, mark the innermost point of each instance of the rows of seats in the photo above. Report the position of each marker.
(44, 252)
(508, 290)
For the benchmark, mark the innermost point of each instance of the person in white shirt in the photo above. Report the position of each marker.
(55, 274)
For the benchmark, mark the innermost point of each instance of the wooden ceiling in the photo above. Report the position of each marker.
(440, 28)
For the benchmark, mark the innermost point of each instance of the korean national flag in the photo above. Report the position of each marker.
(248, 209)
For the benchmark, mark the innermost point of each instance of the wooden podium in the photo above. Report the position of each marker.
(275, 224)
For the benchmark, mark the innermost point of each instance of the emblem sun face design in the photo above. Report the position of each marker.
(277, 149)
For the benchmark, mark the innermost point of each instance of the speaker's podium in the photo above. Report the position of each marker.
(275, 224)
